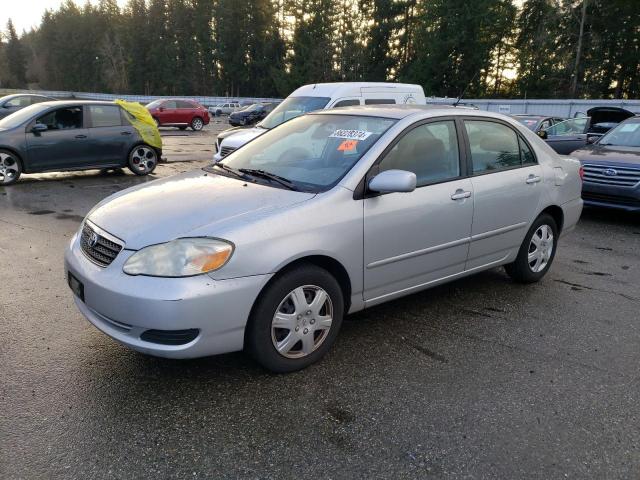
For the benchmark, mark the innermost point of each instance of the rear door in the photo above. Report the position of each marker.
(565, 137)
(185, 111)
(507, 188)
(168, 112)
(109, 138)
(65, 142)
(413, 239)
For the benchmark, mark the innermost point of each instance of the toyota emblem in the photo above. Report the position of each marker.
(610, 172)
(93, 239)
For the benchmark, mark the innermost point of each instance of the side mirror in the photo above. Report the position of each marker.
(592, 139)
(391, 181)
(543, 134)
(39, 128)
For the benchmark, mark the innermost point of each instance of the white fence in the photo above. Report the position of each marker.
(556, 108)
(203, 100)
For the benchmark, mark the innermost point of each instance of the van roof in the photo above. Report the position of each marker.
(355, 89)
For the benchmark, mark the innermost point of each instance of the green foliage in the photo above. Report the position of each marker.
(535, 48)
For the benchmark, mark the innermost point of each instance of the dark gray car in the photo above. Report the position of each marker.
(71, 135)
(12, 103)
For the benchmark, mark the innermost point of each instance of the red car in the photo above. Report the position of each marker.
(179, 113)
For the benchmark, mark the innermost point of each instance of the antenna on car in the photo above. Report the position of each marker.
(455, 104)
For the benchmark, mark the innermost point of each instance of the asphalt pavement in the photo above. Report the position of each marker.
(481, 378)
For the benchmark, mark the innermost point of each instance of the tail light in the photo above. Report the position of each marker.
(581, 172)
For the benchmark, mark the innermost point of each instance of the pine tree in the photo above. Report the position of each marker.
(15, 59)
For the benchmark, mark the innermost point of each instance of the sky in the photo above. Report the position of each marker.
(28, 13)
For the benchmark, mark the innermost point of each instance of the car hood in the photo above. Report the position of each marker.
(177, 206)
(607, 154)
(230, 131)
(242, 136)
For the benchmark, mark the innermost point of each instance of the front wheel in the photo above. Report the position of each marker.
(197, 124)
(296, 319)
(143, 160)
(537, 251)
(10, 167)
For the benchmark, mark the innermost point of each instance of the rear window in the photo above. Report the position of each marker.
(185, 104)
(105, 116)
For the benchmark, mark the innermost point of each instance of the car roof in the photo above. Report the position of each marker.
(399, 111)
(62, 103)
(14, 95)
(355, 89)
(525, 115)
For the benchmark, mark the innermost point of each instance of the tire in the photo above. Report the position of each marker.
(10, 167)
(537, 251)
(197, 124)
(307, 332)
(142, 160)
(243, 122)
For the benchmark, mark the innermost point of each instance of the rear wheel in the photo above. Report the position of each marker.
(143, 160)
(10, 167)
(197, 124)
(296, 319)
(537, 251)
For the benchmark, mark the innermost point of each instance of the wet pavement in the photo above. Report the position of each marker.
(481, 378)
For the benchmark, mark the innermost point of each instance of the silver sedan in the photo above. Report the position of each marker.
(325, 215)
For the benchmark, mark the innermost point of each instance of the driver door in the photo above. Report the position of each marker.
(416, 238)
(565, 137)
(65, 142)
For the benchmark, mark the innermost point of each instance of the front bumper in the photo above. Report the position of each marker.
(611, 196)
(125, 306)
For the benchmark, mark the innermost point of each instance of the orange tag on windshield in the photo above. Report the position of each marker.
(347, 145)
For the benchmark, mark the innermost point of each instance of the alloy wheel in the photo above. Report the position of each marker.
(197, 124)
(540, 248)
(143, 159)
(302, 321)
(9, 168)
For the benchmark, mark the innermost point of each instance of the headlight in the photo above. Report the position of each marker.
(180, 258)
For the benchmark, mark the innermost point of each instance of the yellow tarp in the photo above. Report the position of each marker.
(143, 122)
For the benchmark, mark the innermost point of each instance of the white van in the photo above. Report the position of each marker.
(317, 97)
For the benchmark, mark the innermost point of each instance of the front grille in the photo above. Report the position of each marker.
(616, 199)
(170, 337)
(224, 151)
(97, 248)
(606, 175)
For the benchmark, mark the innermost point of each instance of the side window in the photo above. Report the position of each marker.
(379, 101)
(169, 104)
(183, 104)
(527, 156)
(545, 124)
(347, 103)
(35, 100)
(105, 115)
(19, 102)
(430, 151)
(493, 146)
(573, 126)
(62, 119)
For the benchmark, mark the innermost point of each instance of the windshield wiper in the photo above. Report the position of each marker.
(226, 168)
(270, 176)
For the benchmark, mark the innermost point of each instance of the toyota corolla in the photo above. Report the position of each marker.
(325, 215)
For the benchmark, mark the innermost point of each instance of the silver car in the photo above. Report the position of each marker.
(325, 215)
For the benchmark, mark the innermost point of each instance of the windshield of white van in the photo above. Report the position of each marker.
(293, 107)
(310, 153)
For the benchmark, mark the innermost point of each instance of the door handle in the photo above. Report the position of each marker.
(533, 179)
(460, 194)
(125, 133)
(81, 136)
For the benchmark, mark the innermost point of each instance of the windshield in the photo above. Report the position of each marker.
(293, 107)
(154, 104)
(22, 116)
(626, 134)
(313, 152)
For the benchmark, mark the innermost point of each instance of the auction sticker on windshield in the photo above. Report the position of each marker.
(350, 134)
